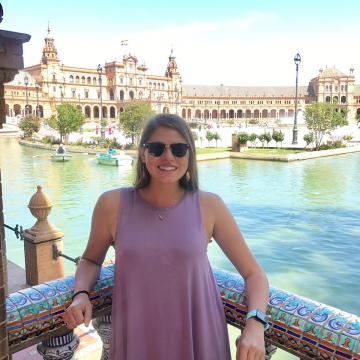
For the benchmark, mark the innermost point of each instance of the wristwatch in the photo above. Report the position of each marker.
(258, 315)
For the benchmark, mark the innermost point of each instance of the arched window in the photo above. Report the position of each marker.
(96, 112)
(165, 110)
(206, 114)
(122, 95)
(273, 113)
(343, 99)
(104, 111)
(77, 79)
(40, 111)
(327, 88)
(239, 114)
(17, 109)
(71, 79)
(183, 113)
(189, 113)
(131, 95)
(231, 114)
(112, 112)
(290, 113)
(94, 81)
(88, 80)
(327, 99)
(214, 114)
(282, 113)
(111, 94)
(222, 114)
(198, 114)
(248, 114)
(264, 113)
(256, 114)
(87, 111)
(335, 99)
(83, 79)
(140, 82)
(162, 86)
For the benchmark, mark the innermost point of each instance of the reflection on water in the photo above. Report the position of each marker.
(300, 219)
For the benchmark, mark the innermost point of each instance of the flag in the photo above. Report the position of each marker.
(124, 42)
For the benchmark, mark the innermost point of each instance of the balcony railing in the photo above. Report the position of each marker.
(301, 326)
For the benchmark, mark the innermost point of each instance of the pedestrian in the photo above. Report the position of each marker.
(166, 304)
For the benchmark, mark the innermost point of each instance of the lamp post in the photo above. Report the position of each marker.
(37, 98)
(99, 70)
(297, 61)
(26, 82)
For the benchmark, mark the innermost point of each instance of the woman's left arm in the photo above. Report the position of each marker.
(227, 234)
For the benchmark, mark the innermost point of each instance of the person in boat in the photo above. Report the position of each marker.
(61, 149)
(160, 229)
(111, 151)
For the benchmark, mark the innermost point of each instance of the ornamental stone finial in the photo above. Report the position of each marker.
(40, 264)
(40, 206)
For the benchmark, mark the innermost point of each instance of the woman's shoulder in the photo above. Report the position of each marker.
(111, 198)
(209, 199)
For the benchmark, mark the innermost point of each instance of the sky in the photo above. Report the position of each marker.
(229, 42)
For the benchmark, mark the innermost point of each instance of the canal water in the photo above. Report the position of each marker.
(300, 219)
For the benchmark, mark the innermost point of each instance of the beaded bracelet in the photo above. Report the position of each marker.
(80, 292)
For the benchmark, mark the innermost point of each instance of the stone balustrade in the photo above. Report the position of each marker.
(303, 327)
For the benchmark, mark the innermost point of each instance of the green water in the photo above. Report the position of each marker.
(301, 219)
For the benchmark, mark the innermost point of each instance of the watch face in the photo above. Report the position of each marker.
(261, 316)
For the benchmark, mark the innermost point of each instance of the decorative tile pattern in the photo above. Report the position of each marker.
(304, 327)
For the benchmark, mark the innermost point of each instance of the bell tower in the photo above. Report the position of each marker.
(49, 54)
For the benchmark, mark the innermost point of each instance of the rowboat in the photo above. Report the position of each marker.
(114, 159)
(60, 157)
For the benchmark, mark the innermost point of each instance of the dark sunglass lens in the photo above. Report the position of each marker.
(156, 149)
(179, 150)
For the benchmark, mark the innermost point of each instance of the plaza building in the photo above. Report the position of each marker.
(105, 91)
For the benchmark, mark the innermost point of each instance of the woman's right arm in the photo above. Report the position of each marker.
(102, 235)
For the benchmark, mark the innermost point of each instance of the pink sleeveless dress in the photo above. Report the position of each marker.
(166, 304)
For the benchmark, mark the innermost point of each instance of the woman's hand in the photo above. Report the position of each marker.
(80, 311)
(251, 345)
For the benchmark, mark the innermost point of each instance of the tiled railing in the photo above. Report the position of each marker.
(303, 327)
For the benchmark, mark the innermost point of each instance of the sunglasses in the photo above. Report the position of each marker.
(158, 148)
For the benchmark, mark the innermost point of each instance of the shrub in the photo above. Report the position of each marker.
(29, 124)
(347, 137)
(242, 138)
(309, 138)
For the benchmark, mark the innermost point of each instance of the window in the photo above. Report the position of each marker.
(140, 82)
(77, 79)
(86, 93)
(73, 92)
(83, 79)
(71, 79)
(121, 80)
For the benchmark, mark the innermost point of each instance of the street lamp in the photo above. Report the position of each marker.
(26, 82)
(297, 61)
(99, 70)
(37, 98)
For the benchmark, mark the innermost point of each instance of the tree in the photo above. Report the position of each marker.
(209, 136)
(29, 124)
(267, 137)
(133, 118)
(67, 119)
(216, 137)
(322, 118)
(252, 138)
(278, 136)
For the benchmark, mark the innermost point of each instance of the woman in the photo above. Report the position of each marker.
(166, 305)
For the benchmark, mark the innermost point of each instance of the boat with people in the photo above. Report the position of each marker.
(113, 158)
(60, 154)
(61, 157)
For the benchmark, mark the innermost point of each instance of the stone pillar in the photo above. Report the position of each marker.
(3, 331)
(59, 348)
(234, 143)
(40, 264)
(102, 325)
